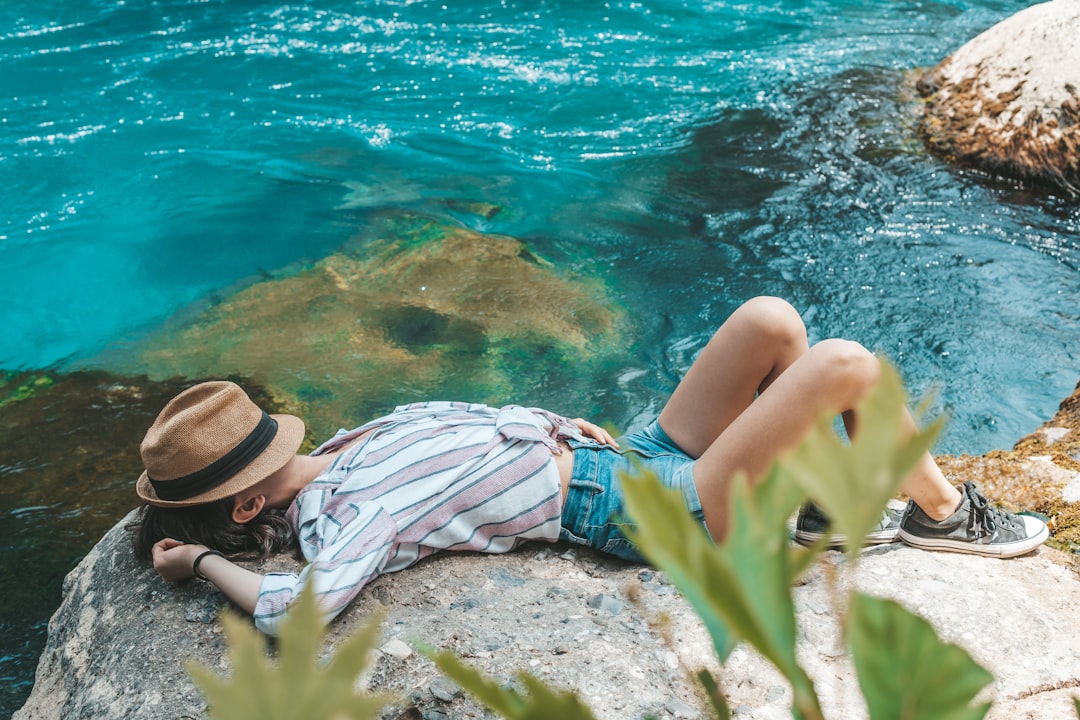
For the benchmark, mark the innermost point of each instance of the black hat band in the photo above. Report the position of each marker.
(217, 472)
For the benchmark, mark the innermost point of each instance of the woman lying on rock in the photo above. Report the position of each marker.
(454, 476)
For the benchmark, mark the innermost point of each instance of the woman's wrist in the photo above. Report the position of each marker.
(198, 560)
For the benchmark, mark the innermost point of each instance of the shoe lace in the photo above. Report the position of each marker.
(983, 514)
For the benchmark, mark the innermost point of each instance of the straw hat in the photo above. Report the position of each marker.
(211, 442)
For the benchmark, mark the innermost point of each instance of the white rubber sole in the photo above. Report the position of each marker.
(884, 537)
(1037, 533)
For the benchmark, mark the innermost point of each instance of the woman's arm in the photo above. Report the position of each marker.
(173, 561)
(356, 547)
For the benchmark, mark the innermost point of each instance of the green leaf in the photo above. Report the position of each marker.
(1077, 701)
(905, 670)
(854, 482)
(715, 696)
(740, 588)
(299, 686)
(541, 703)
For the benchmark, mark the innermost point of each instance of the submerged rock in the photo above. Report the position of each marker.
(1009, 100)
(425, 310)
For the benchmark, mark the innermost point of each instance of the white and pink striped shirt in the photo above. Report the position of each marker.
(431, 476)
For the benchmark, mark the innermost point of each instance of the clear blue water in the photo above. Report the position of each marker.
(692, 154)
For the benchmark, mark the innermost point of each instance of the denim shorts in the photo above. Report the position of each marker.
(593, 512)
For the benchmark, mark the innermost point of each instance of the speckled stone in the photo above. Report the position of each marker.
(1009, 100)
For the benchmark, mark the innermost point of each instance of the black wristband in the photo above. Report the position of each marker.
(199, 559)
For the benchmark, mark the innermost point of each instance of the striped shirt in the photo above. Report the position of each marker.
(429, 477)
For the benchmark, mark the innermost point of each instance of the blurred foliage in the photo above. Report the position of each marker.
(740, 588)
(541, 702)
(905, 670)
(714, 694)
(299, 686)
(853, 482)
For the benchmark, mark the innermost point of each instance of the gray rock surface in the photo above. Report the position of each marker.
(118, 643)
(1009, 100)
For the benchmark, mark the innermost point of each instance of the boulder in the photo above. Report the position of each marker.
(1009, 100)
(617, 633)
(118, 644)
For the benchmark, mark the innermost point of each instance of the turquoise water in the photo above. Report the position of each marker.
(691, 154)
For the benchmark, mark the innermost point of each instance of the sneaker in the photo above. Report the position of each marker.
(975, 528)
(812, 525)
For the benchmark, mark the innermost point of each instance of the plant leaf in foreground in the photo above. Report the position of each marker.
(854, 482)
(299, 687)
(905, 670)
(714, 695)
(741, 586)
(541, 703)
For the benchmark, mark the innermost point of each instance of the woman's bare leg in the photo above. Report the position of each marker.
(757, 389)
(751, 349)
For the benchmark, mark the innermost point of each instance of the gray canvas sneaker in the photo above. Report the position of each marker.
(812, 525)
(975, 528)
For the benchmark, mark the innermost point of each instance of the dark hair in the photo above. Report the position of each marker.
(212, 525)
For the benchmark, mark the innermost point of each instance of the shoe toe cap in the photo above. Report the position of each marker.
(1034, 527)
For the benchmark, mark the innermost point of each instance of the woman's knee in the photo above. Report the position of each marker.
(847, 366)
(773, 317)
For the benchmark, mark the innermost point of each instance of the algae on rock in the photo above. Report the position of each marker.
(1007, 101)
(1040, 473)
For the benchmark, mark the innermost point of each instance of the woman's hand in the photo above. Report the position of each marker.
(594, 431)
(173, 559)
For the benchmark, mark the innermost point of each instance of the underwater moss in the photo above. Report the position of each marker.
(16, 386)
(422, 309)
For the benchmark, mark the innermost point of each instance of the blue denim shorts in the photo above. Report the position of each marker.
(593, 512)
